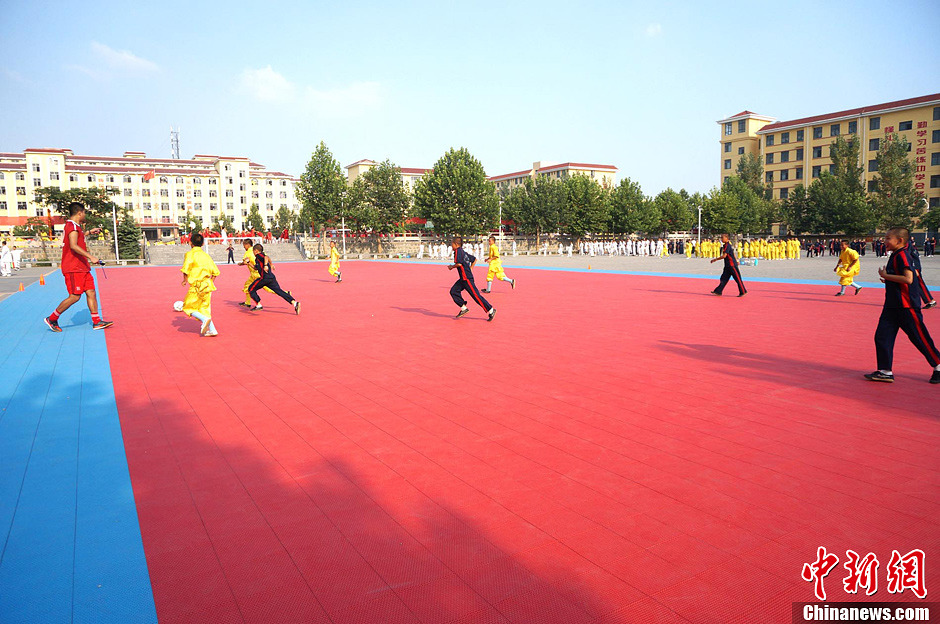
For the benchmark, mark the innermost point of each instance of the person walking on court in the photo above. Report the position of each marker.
(231, 254)
(464, 262)
(731, 270)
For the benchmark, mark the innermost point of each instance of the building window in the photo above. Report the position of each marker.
(197, 180)
(269, 206)
(197, 206)
(179, 180)
(834, 130)
(728, 147)
(213, 193)
(73, 177)
(21, 190)
(799, 173)
(906, 125)
(128, 193)
(213, 207)
(727, 166)
(936, 113)
(832, 169)
(241, 187)
(146, 205)
(934, 202)
(37, 182)
(742, 125)
(817, 132)
(145, 192)
(229, 205)
(873, 165)
(241, 174)
(799, 135)
(213, 181)
(799, 153)
(164, 193)
(817, 152)
(784, 175)
(935, 159)
(127, 180)
(784, 193)
(935, 181)
(873, 145)
(270, 194)
(3, 205)
(197, 193)
(785, 156)
(180, 193)
(164, 180)
(54, 175)
(872, 186)
(180, 206)
(769, 176)
(228, 167)
(816, 170)
(165, 206)
(270, 182)
(936, 136)
(740, 150)
(874, 123)
(784, 138)
(128, 205)
(22, 206)
(228, 179)
(728, 129)
(229, 193)
(853, 127)
(283, 194)
(769, 159)
(36, 167)
(20, 175)
(254, 194)
(91, 178)
(241, 200)
(770, 140)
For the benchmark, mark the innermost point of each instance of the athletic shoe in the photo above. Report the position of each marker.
(485, 291)
(512, 283)
(742, 294)
(492, 314)
(211, 334)
(931, 304)
(858, 289)
(841, 294)
(935, 378)
(462, 312)
(297, 307)
(102, 325)
(256, 308)
(879, 376)
(205, 327)
(717, 294)
(53, 325)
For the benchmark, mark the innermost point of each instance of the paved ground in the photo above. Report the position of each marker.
(612, 448)
(10, 285)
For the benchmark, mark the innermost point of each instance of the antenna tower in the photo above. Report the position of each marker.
(175, 143)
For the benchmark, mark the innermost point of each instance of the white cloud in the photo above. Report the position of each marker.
(91, 73)
(267, 85)
(122, 59)
(654, 30)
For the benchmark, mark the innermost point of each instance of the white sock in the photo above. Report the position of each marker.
(489, 285)
(199, 315)
(937, 367)
(886, 372)
(506, 279)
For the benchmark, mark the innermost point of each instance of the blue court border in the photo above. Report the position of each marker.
(70, 542)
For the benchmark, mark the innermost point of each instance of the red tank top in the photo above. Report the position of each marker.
(72, 262)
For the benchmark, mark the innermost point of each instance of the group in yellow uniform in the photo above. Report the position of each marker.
(847, 268)
(756, 248)
(495, 267)
(334, 263)
(199, 271)
(248, 259)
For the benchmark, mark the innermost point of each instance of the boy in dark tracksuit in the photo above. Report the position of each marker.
(464, 262)
(731, 267)
(266, 279)
(925, 296)
(901, 310)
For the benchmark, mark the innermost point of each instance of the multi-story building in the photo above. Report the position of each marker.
(796, 152)
(605, 175)
(409, 175)
(158, 191)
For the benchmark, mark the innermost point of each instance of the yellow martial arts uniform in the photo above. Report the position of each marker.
(334, 261)
(496, 265)
(844, 272)
(249, 260)
(199, 269)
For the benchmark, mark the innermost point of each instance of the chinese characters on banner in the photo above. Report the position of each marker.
(902, 572)
(920, 155)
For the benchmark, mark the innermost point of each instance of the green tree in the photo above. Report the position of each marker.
(223, 222)
(751, 171)
(128, 235)
(753, 211)
(321, 190)
(97, 202)
(675, 215)
(378, 200)
(631, 211)
(536, 207)
(456, 195)
(196, 221)
(894, 201)
(587, 209)
(34, 226)
(284, 219)
(839, 210)
(931, 219)
(255, 220)
(721, 211)
(798, 213)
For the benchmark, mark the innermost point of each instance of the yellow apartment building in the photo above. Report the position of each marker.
(409, 175)
(605, 175)
(797, 151)
(158, 191)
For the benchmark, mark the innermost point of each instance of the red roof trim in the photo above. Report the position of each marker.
(413, 170)
(571, 165)
(4, 165)
(47, 150)
(852, 112)
(360, 162)
(516, 174)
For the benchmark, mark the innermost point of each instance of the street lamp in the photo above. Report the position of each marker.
(699, 228)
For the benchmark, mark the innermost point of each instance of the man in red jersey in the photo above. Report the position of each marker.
(77, 271)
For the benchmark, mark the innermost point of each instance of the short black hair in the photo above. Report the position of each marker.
(458, 240)
(246, 241)
(900, 232)
(197, 239)
(75, 208)
(258, 247)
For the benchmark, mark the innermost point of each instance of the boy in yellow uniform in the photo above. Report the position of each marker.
(248, 260)
(200, 272)
(334, 263)
(847, 268)
(496, 267)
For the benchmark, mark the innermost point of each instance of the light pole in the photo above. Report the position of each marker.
(699, 229)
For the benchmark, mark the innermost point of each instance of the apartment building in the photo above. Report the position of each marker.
(606, 175)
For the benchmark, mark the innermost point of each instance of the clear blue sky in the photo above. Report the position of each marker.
(636, 85)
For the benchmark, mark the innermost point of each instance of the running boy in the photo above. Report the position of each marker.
(334, 263)
(77, 271)
(731, 267)
(846, 268)
(464, 262)
(248, 259)
(199, 271)
(901, 310)
(496, 268)
(266, 279)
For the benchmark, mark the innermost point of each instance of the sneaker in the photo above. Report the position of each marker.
(841, 294)
(462, 312)
(742, 294)
(211, 334)
(53, 325)
(935, 378)
(296, 307)
(858, 289)
(102, 325)
(512, 283)
(492, 314)
(485, 291)
(879, 376)
(717, 294)
(932, 304)
(256, 308)
(205, 327)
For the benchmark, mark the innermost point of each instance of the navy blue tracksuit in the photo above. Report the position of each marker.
(902, 311)
(266, 280)
(925, 295)
(464, 261)
(731, 270)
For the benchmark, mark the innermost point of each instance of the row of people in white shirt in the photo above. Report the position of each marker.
(9, 259)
